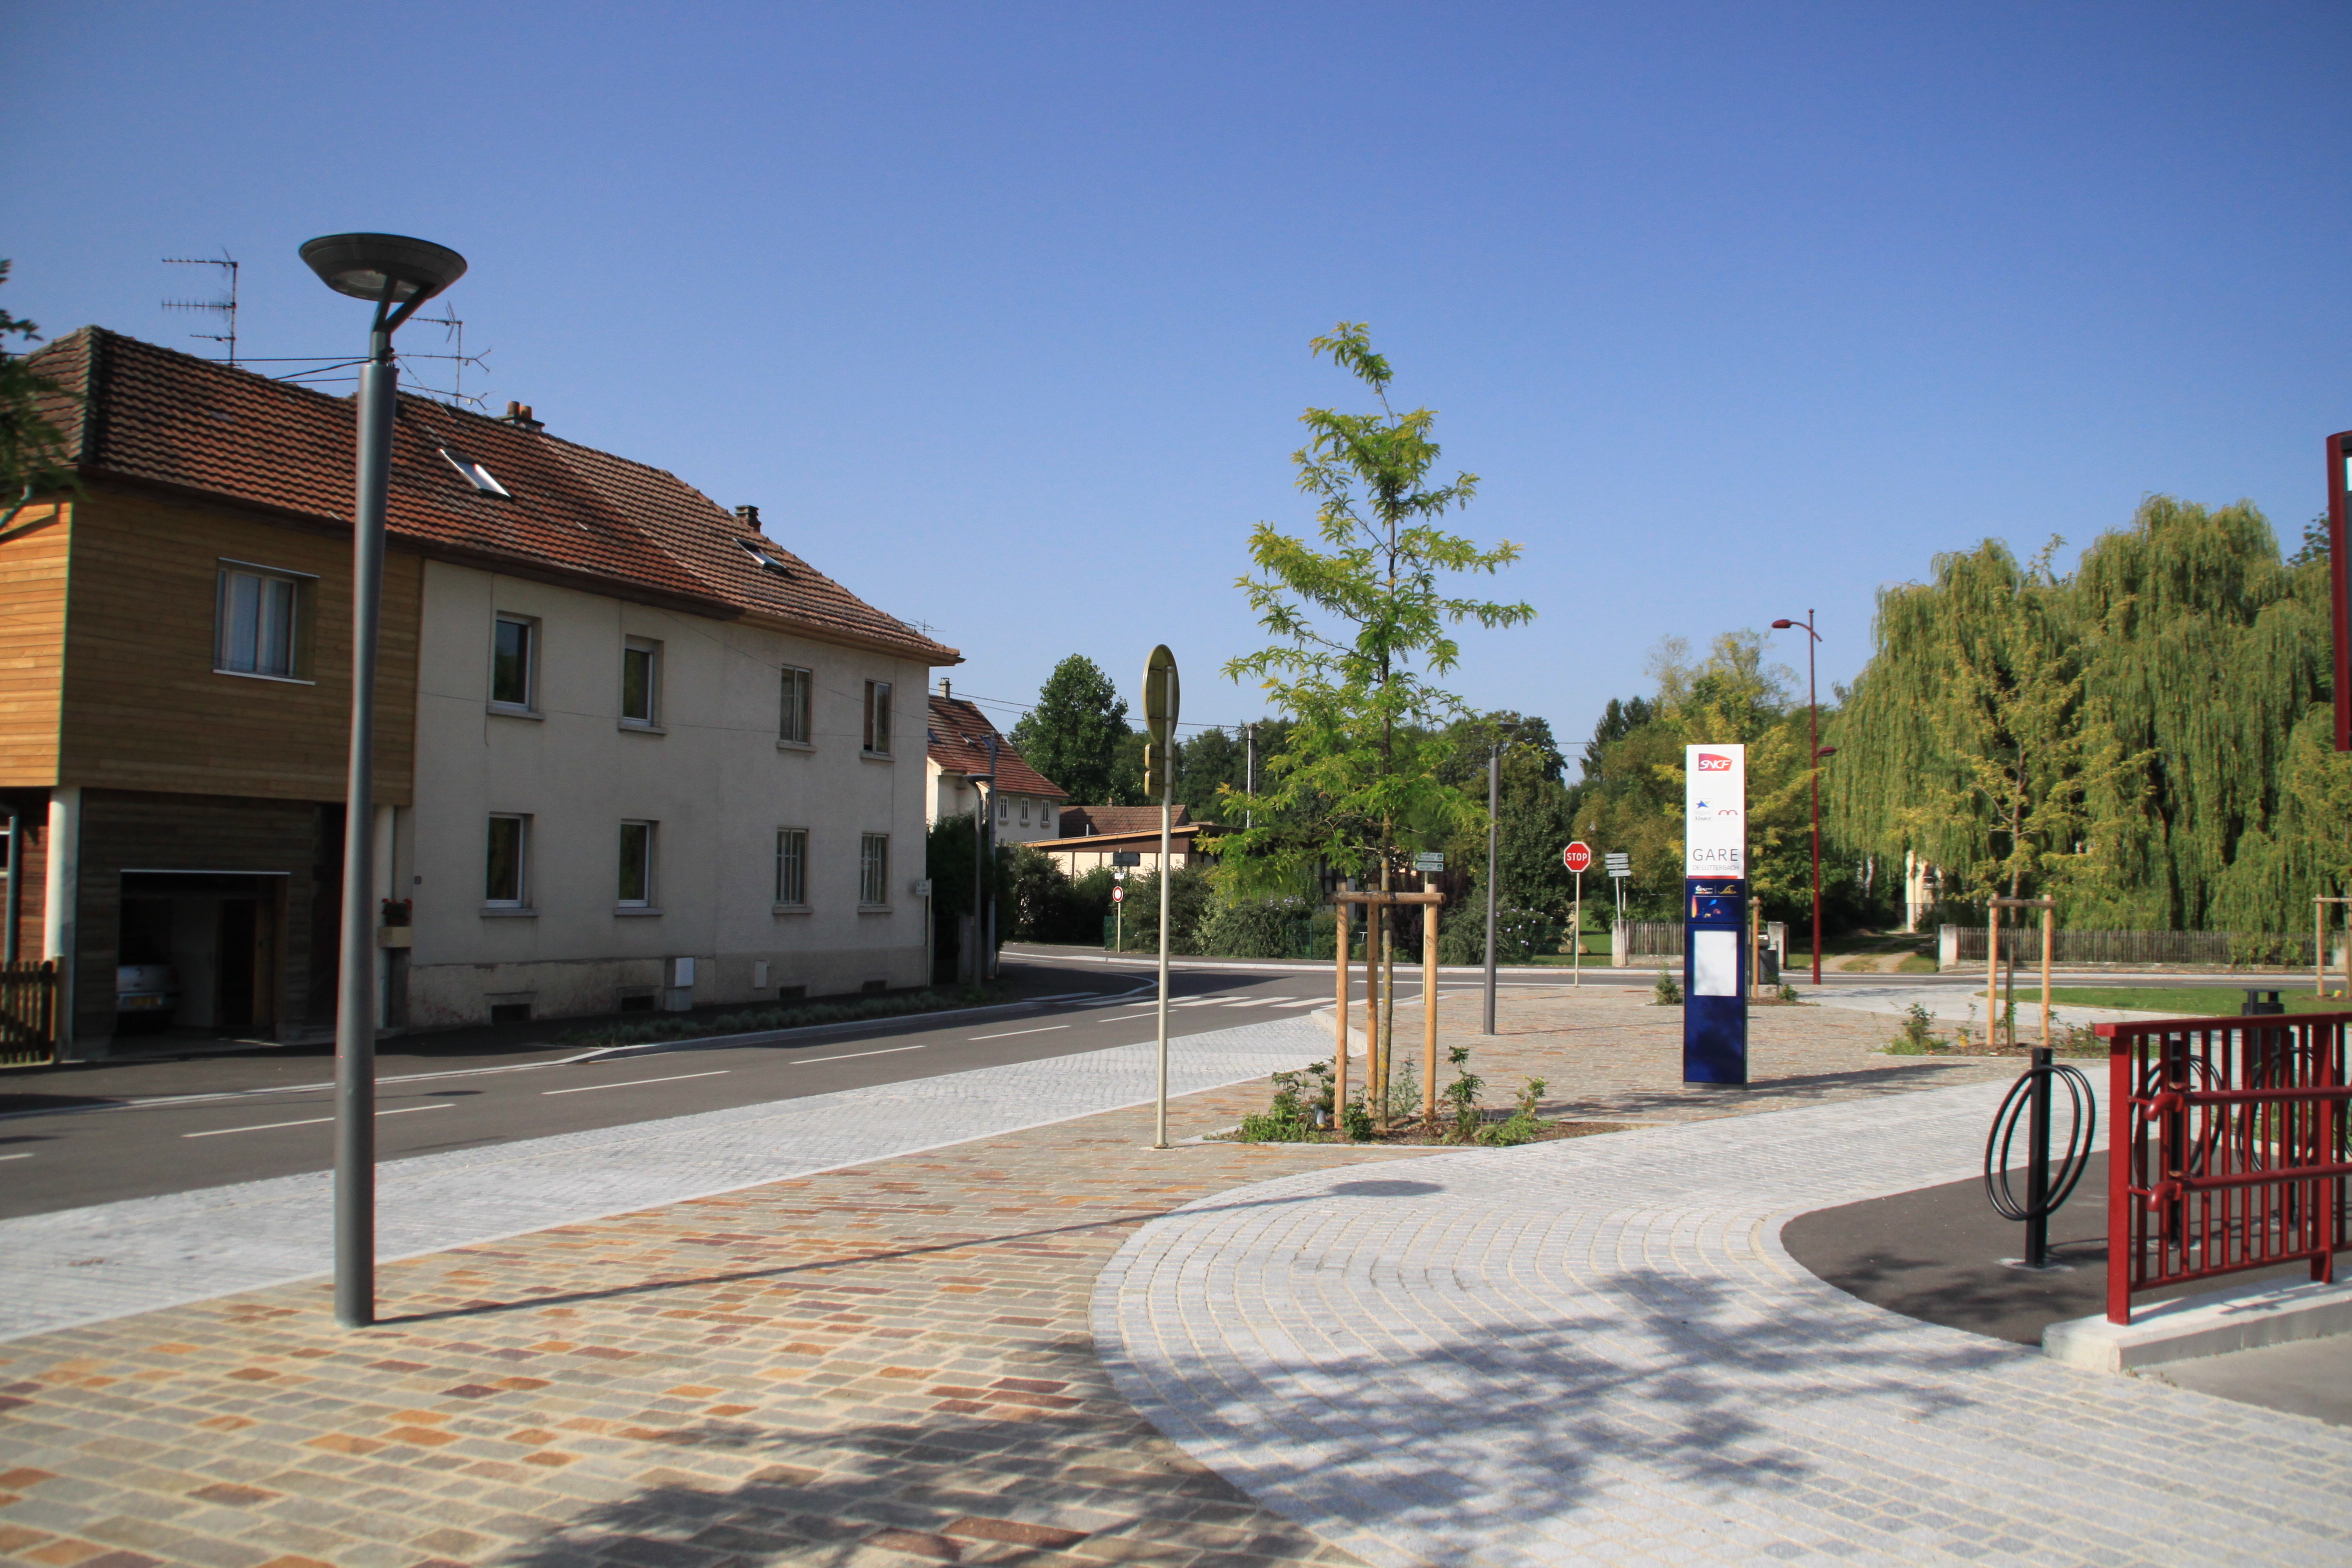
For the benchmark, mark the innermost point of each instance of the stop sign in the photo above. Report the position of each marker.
(1576, 856)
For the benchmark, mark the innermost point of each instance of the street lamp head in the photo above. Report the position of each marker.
(1782, 626)
(361, 265)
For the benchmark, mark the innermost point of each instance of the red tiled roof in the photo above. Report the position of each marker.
(574, 514)
(1077, 820)
(959, 744)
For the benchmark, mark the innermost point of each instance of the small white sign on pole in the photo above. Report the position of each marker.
(1715, 811)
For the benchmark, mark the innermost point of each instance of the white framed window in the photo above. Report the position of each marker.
(791, 866)
(1024, 811)
(874, 868)
(506, 871)
(877, 733)
(514, 663)
(635, 890)
(792, 722)
(259, 621)
(641, 661)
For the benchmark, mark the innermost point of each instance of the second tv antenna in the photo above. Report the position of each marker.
(225, 306)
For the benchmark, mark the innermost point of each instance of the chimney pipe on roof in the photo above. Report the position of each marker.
(748, 516)
(519, 415)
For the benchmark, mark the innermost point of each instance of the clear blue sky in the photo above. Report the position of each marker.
(1000, 312)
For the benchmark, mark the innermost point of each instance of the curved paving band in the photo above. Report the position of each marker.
(1597, 1351)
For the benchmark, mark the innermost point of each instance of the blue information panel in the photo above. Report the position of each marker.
(1715, 980)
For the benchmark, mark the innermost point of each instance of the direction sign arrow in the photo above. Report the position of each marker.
(1576, 856)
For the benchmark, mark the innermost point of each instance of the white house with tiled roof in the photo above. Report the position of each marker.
(957, 750)
(633, 750)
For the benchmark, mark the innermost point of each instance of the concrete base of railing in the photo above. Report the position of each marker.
(2243, 1317)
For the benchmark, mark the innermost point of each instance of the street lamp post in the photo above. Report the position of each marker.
(397, 275)
(1817, 751)
(1494, 796)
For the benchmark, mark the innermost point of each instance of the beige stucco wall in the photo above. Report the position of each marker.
(1020, 819)
(714, 778)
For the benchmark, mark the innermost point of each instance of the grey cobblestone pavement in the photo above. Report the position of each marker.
(1597, 1351)
(89, 1264)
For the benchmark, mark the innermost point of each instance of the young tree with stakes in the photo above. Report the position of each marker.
(1360, 628)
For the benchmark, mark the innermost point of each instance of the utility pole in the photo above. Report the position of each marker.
(1249, 819)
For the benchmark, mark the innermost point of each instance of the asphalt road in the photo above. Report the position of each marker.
(114, 1131)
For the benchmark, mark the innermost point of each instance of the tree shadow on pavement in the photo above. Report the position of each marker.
(1689, 1388)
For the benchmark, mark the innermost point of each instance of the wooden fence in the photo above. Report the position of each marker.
(2023, 940)
(28, 1014)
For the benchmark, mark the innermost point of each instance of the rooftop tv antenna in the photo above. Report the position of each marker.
(453, 335)
(225, 306)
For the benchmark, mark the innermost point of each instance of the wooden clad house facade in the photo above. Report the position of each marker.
(174, 704)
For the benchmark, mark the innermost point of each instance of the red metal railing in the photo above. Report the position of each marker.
(2229, 1148)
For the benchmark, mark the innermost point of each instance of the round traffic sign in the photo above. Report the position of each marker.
(1118, 895)
(1576, 856)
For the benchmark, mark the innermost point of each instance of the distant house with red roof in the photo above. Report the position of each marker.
(958, 741)
(633, 750)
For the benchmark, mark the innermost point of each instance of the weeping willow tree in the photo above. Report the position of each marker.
(2131, 738)
(1964, 740)
(2202, 659)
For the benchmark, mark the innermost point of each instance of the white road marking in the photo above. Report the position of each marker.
(308, 1121)
(1009, 1033)
(631, 1083)
(846, 1056)
(24, 1156)
(1305, 1001)
(1253, 1001)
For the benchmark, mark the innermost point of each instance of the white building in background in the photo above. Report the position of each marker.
(661, 760)
(1027, 803)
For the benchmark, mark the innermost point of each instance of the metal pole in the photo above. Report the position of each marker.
(1813, 732)
(355, 975)
(979, 824)
(8, 942)
(1576, 939)
(1494, 795)
(2037, 1168)
(1160, 1126)
(1429, 1014)
(988, 930)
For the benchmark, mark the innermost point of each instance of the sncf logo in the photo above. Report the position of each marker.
(1714, 762)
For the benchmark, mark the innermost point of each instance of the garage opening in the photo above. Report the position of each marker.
(199, 953)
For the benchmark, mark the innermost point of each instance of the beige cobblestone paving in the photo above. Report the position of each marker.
(885, 1365)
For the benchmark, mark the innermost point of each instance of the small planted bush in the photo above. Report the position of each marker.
(1666, 993)
(1301, 1100)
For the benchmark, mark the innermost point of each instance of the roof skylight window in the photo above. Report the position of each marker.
(765, 555)
(475, 474)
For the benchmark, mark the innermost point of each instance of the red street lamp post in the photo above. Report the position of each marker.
(1819, 751)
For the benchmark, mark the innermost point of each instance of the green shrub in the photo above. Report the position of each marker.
(1521, 935)
(1522, 1126)
(1666, 993)
(1462, 1094)
(1301, 1098)
(1259, 928)
(1917, 1038)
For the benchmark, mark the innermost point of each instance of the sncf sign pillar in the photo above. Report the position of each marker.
(1715, 914)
